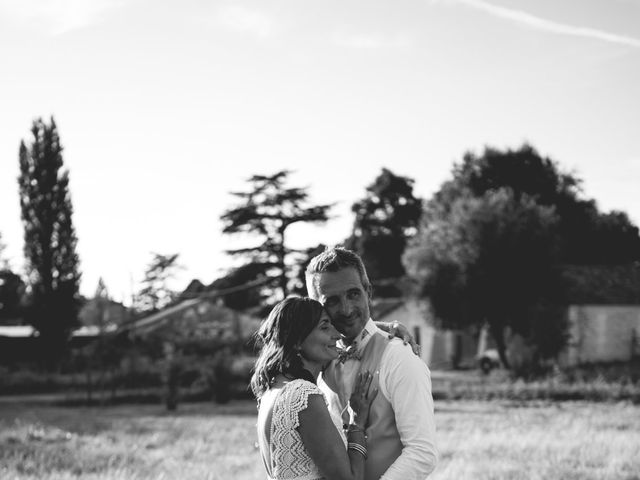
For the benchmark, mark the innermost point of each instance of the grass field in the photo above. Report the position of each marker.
(477, 440)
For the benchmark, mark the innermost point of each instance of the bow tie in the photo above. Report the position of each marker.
(348, 353)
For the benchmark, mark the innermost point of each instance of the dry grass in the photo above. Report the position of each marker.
(477, 440)
(200, 441)
(572, 440)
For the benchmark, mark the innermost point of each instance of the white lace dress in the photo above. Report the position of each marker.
(289, 458)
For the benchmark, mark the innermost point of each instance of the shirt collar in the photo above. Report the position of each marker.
(363, 337)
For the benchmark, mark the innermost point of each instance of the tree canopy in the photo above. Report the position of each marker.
(50, 240)
(266, 211)
(384, 219)
(155, 292)
(12, 288)
(243, 298)
(490, 259)
(588, 235)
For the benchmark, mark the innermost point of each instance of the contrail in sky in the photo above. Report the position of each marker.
(533, 21)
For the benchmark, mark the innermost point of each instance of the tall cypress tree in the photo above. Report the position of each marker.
(52, 263)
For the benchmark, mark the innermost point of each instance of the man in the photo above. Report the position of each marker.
(401, 431)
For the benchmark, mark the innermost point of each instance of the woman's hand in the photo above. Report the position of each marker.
(361, 399)
(397, 329)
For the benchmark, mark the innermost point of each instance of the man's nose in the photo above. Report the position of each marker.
(345, 306)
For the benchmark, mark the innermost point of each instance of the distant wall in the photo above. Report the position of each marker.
(439, 348)
(602, 333)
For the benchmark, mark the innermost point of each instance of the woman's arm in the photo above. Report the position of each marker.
(325, 447)
(322, 440)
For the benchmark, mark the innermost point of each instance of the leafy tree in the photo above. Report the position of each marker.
(588, 236)
(155, 293)
(243, 298)
(490, 259)
(50, 240)
(494, 239)
(384, 219)
(12, 289)
(267, 210)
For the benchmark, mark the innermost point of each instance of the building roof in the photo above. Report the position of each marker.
(159, 318)
(17, 331)
(25, 331)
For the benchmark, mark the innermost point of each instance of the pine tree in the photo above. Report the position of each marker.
(268, 210)
(52, 263)
(155, 293)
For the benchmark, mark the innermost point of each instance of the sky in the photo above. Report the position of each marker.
(164, 108)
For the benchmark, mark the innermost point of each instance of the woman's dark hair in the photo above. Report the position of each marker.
(286, 327)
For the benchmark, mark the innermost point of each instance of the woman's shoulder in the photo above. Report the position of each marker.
(286, 401)
(295, 393)
(300, 386)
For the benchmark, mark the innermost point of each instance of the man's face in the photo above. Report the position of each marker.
(345, 299)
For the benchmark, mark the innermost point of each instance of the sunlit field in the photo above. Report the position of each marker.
(477, 440)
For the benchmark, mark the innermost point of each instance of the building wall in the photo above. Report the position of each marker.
(602, 333)
(439, 347)
(597, 333)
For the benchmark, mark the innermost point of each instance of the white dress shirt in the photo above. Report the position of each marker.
(405, 382)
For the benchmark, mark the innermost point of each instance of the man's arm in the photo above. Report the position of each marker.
(405, 381)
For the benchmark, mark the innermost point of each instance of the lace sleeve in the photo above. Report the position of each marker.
(298, 400)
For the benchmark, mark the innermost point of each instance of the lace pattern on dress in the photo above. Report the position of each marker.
(289, 458)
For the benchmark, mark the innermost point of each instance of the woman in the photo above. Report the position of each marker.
(297, 436)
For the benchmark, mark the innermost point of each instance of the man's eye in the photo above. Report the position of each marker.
(331, 302)
(354, 293)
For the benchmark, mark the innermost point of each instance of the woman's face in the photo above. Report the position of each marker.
(320, 345)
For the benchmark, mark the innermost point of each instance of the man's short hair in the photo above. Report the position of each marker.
(334, 259)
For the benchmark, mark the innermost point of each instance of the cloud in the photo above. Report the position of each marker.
(245, 20)
(57, 16)
(370, 41)
(533, 21)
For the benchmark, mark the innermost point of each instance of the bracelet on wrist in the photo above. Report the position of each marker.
(358, 448)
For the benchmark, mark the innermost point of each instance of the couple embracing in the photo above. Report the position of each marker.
(337, 398)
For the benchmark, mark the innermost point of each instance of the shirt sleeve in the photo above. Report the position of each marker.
(405, 381)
